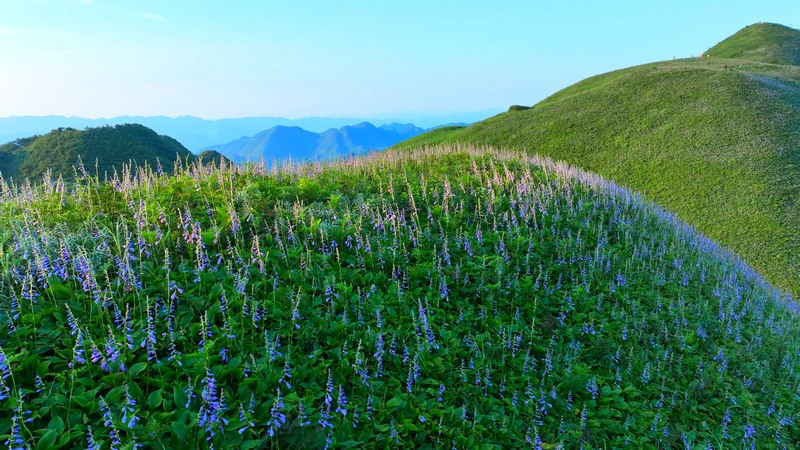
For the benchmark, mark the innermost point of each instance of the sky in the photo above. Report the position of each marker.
(343, 58)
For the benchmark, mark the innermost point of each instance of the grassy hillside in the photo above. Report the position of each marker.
(763, 42)
(437, 298)
(716, 145)
(102, 150)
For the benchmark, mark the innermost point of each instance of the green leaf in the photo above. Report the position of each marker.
(66, 437)
(181, 430)
(179, 397)
(56, 424)
(137, 368)
(49, 439)
(155, 399)
(113, 395)
(253, 443)
(397, 402)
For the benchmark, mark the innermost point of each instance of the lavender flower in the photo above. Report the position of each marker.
(108, 422)
(750, 433)
(725, 421)
(90, 441)
(98, 357)
(73, 324)
(77, 351)
(189, 391)
(128, 327)
(301, 414)
(129, 410)
(325, 417)
(113, 351)
(287, 374)
(205, 330)
(210, 415)
(591, 386)
(243, 418)
(16, 441)
(341, 402)
(277, 418)
(150, 336)
(646, 374)
(5, 371)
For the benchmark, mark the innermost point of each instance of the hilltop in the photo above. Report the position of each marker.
(214, 157)
(431, 298)
(712, 139)
(102, 151)
(763, 42)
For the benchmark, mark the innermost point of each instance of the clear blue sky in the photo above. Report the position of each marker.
(212, 59)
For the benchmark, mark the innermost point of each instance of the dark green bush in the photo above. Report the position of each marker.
(518, 108)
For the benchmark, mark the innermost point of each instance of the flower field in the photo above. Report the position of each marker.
(440, 297)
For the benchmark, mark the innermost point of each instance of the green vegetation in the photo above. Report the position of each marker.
(763, 42)
(429, 298)
(100, 151)
(713, 140)
(213, 157)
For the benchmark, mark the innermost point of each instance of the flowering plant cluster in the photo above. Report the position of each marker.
(448, 297)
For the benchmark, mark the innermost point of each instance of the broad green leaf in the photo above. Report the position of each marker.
(154, 399)
(48, 440)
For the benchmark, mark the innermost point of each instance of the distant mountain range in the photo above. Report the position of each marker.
(197, 134)
(107, 148)
(281, 142)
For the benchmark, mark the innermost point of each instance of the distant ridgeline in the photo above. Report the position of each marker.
(282, 142)
(102, 150)
(713, 139)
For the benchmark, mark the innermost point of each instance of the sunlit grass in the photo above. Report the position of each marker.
(711, 139)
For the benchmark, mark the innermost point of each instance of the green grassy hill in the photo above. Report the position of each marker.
(763, 42)
(102, 150)
(212, 156)
(433, 298)
(714, 140)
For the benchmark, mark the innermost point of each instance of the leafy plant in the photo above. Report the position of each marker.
(439, 297)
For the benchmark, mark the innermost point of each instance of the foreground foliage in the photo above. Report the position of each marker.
(441, 298)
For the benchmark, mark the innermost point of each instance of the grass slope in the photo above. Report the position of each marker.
(102, 150)
(438, 298)
(718, 146)
(763, 42)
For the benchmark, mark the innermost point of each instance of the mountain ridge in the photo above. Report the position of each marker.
(196, 133)
(280, 142)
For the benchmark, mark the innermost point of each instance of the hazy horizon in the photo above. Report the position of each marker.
(379, 117)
